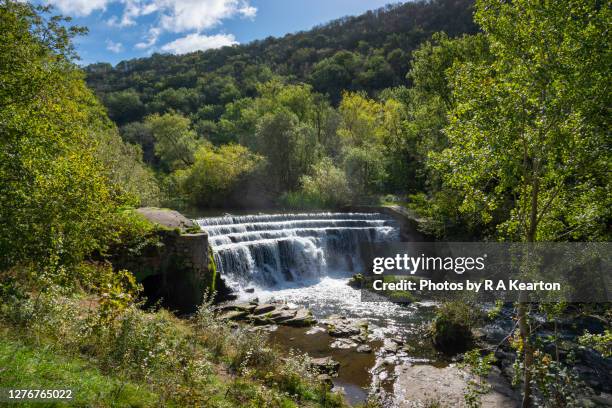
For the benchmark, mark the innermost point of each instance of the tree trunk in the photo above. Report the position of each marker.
(523, 307)
(525, 333)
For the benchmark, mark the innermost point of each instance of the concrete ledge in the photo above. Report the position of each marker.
(166, 218)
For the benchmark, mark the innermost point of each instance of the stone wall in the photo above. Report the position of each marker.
(175, 270)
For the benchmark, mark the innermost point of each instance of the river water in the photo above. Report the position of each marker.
(306, 259)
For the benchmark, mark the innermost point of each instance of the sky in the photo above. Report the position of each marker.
(125, 29)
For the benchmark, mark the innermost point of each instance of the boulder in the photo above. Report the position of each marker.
(233, 315)
(343, 343)
(390, 346)
(325, 365)
(420, 385)
(265, 308)
(451, 337)
(167, 218)
(302, 318)
(243, 307)
(339, 326)
(364, 348)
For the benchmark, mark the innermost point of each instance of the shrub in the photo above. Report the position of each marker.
(216, 171)
(452, 326)
(326, 184)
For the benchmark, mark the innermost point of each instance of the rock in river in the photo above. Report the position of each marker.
(233, 315)
(340, 326)
(418, 385)
(325, 365)
(265, 308)
(302, 318)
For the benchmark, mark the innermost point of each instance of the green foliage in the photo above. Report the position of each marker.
(175, 140)
(138, 133)
(365, 170)
(367, 52)
(288, 145)
(171, 362)
(125, 169)
(557, 384)
(216, 172)
(452, 326)
(326, 184)
(600, 342)
(27, 367)
(124, 106)
(479, 366)
(55, 195)
(533, 138)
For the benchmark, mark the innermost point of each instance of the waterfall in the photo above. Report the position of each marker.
(269, 250)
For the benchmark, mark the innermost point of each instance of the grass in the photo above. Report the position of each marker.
(27, 367)
(132, 357)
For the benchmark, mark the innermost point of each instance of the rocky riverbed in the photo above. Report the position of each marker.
(400, 368)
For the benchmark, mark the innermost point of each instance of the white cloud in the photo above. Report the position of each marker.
(184, 15)
(151, 39)
(174, 16)
(79, 7)
(195, 42)
(248, 11)
(113, 46)
(132, 10)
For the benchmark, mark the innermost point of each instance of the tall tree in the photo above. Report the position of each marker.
(56, 195)
(531, 129)
(175, 140)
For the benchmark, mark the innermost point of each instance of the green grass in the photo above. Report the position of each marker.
(24, 367)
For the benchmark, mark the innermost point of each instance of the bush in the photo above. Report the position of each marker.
(172, 358)
(452, 327)
(215, 173)
(326, 184)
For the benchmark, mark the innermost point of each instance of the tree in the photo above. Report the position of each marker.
(430, 98)
(530, 129)
(289, 146)
(140, 134)
(56, 198)
(360, 119)
(215, 173)
(334, 74)
(377, 74)
(124, 106)
(326, 184)
(175, 140)
(365, 170)
(125, 169)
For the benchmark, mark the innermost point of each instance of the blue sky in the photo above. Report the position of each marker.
(124, 29)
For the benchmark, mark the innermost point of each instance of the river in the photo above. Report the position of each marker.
(306, 259)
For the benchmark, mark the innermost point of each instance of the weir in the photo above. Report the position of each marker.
(271, 250)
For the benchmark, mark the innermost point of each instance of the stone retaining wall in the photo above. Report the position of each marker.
(176, 269)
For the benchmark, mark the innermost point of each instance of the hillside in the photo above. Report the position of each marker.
(369, 52)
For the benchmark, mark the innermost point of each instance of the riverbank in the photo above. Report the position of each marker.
(147, 358)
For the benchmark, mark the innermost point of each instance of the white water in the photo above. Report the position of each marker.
(307, 260)
(271, 252)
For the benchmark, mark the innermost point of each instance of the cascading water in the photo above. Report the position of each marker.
(270, 250)
(306, 260)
